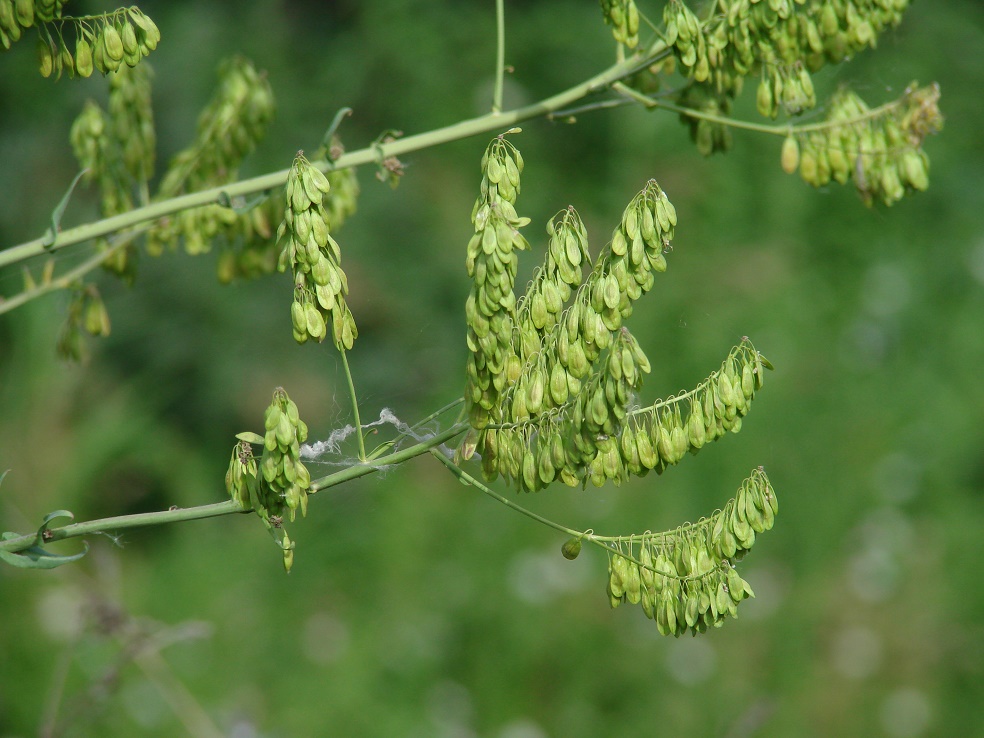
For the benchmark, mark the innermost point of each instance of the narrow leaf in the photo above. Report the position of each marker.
(36, 557)
(56, 215)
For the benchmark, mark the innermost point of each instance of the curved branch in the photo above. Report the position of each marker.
(368, 155)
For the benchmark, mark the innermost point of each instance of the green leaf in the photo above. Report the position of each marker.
(37, 557)
(47, 520)
(250, 437)
(56, 215)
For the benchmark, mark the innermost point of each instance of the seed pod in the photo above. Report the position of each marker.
(695, 428)
(113, 43)
(790, 154)
(129, 39)
(764, 100)
(571, 548)
(558, 384)
(530, 472)
(647, 455)
(633, 584)
(315, 322)
(46, 57)
(619, 575)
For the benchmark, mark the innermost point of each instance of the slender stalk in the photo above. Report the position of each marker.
(142, 520)
(123, 522)
(66, 280)
(468, 479)
(500, 54)
(368, 155)
(355, 407)
(360, 470)
(776, 130)
(183, 704)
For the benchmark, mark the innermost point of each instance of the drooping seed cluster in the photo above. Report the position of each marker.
(103, 42)
(19, 15)
(552, 398)
(248, 258)
(881, 153)
(228, 130)
(117, 150)
(86, 312)
(599, 437)
(785, 42)
(280, 481)
(287, 479)
(491, 263)
(623, 17)
(320, 285)
(685, 578)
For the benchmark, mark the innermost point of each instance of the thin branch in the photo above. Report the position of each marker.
(142, 520)
(123, 522)
(469, 480)
(782, 129)
(500, 55)
(66, 280)
(355, 406)
(368, 155)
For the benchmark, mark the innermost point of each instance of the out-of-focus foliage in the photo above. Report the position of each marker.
(419, 607)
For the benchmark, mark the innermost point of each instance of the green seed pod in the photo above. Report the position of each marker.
(571, 548)
(46, 57)
(269, 466)
(619, 574)
(632, 583)
(129, 39)
(24, 12)
(765, 101)
(558, 384)
(790, 154)
(545, 468)
(83, 58)
(96, 318)
(113, 43)
(315, 322)
(647, 455)
(530, 472)
(695, 428)
(298, 318)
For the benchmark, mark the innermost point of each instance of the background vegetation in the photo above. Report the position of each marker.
(417, 607)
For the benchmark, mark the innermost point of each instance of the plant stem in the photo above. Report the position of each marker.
(123, 522)
(398, 457)
(66, 280)
(370, 154)
(469, 480)
(500, 55)
(355, 407)
(776, 130)
(142, 520)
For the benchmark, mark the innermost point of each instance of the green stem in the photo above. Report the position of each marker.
(398, 457)
(368, 155)
(500, 54)
(142, 520)
(355, 406)
(68, 278)
(469, 480)
(123, 522)
(776, 130)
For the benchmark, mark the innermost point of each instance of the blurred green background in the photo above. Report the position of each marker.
(416, 606)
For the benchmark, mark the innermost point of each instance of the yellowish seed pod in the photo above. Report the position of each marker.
(571, 548)
(790, 154)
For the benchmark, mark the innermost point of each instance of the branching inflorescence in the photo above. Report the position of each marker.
(552, 383)
(553, 375)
